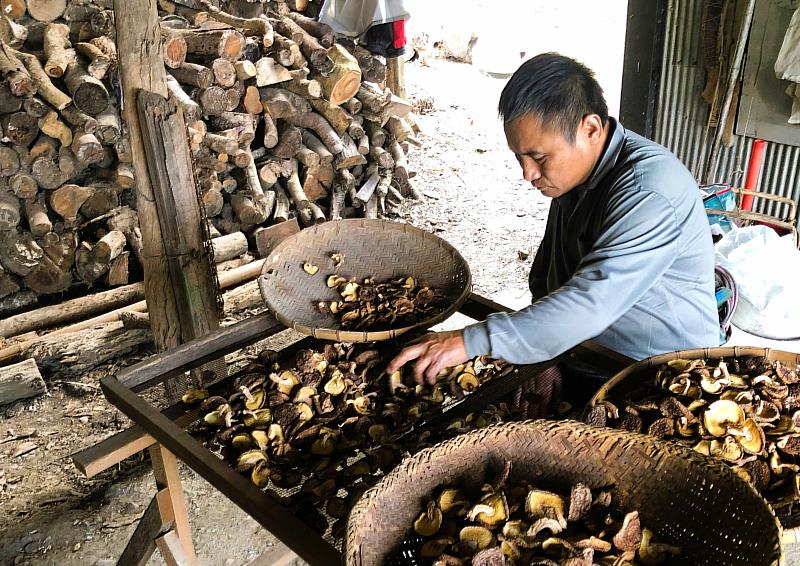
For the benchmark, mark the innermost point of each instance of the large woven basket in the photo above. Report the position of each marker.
(632, 377)
(372, 248)
(714, 515)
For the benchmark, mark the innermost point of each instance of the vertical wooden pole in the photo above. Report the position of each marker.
(165, 470)
(395, 76)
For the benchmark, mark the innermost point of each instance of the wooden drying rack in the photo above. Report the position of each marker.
(165, 523)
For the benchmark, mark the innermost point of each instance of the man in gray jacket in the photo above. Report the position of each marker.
(627, 257)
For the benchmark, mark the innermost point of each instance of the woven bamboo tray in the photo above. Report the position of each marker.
(372, 248)
(685, 498)
(632, 376)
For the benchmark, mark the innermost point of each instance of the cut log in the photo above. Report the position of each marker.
(118, 272)
(38, 221)
(213, 202)
(89, 95)
(35, 107)
(372, 68)
(307, 157)
(252, 50)
(259, 27)
(191, 110)
(67, 200)
(55, 128)
(14, 73)
(17, 302)
(19, 253)
(8, 286)
(317, 215)
(78, 119)
(356, 127)
(100, 62)
(245, 69)
(349, 157)
(317, 123)
(220, 144)
(281, 213)
(288, 29)
(194, 17)
(175, 48)
(8, 101)
(9, 211)
(225, 43)
(109, 247)
(373, 99)
(251, 102)
(193, 74)
(282, 51)
(86, 267)
(104, 199)
(133, 319)
(242, 158)
(224, 72)
(45, 146)
(322, 32)
(269, 72)
(14, 9)
(399, 128)
(20, 127)
(400, 164)
(21, 381)
(317, 180)
(103, 22)
(46, 10)
(316, 145)
(269, 173)
(316, 54)
(377, 135)
(371, 208)
(123, 175)
(108, 129)
(363, 145)
(337, 202)
(69, 165)
(382, 157)
(229, 246)
(9, 161)
(214, 100)
(41, 82)
(87, 149)
(289, 141)
(57, 49)
(47, 277)
(11, 32)
(353, 105)
(47, 173)
(23, 185)
(335, 115)
(343, 81)
(294, 189)
(280, 103)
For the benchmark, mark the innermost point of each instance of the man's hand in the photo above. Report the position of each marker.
(433, 352)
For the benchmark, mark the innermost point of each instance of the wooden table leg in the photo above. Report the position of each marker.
(172, 550)
(157, 519)
(165, 470)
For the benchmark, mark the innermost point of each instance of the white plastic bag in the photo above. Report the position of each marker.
(766, 269)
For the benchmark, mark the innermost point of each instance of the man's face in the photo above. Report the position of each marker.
(549, 161)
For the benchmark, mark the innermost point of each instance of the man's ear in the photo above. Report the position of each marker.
(591, 127)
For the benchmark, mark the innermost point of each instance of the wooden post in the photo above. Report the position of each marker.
(395, 76)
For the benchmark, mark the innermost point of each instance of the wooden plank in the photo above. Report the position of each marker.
(261, 506)
(142, 543)
(165, 470)
(479, 307)
(199, 351)
(172, 551)
(269, 237)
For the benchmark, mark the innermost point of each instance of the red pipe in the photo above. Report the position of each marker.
(753, 171)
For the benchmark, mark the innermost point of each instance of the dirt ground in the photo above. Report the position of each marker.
(473, 197)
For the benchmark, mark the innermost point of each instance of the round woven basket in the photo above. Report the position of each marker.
(371, 248)
(632, 376)
(688, 500)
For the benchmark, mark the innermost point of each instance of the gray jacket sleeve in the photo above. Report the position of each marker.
(637, 244)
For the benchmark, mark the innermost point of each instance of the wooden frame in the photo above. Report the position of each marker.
(166, 427)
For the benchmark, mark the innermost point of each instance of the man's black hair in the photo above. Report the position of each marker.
(555, 89)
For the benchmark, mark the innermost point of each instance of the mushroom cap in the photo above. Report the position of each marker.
(540, 503)
(662, 428)
(727, 449)
(752, 437)
(429, 521)
(492, 510)
(475, 538)
(489, 557)
(720, 415)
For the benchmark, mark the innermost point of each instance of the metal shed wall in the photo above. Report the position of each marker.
(681, 115)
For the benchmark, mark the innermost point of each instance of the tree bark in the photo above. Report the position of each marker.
(349, 157)
(335, 115)
(21, 381)
(15, 75)
(321, 126)
(225, 43)
(193, 74)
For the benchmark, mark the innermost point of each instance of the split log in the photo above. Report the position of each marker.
(316, 182)
(38, 221)
(175, 48)
(20, 127)
(259, 27)
(284, 51)
(9, 161)
(335, 115)
(19, 253)
(55, 128)
(87, 149)
(46, 10)
(343, 81)
(99, 64)
(224, 72)
(245, 70)
(23, 185)
(225, 43)
(77, 119)
(289, 141)
(57, 49)
(118, 272)
(67, 200)
(315, 144)
(9, 211)
(47, 277)
(365, 192)
(229, 246)
(269, 72)
(193, 74)
(191, 110)
(371, 208)
(322, 32)
(383, 189)
(349, 157)
(127, 221)
(21, 381)
(40, 81)
(89, 95)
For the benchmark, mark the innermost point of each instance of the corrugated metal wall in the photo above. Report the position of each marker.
(682, 113)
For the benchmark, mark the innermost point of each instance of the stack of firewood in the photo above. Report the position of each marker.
(283, 121)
